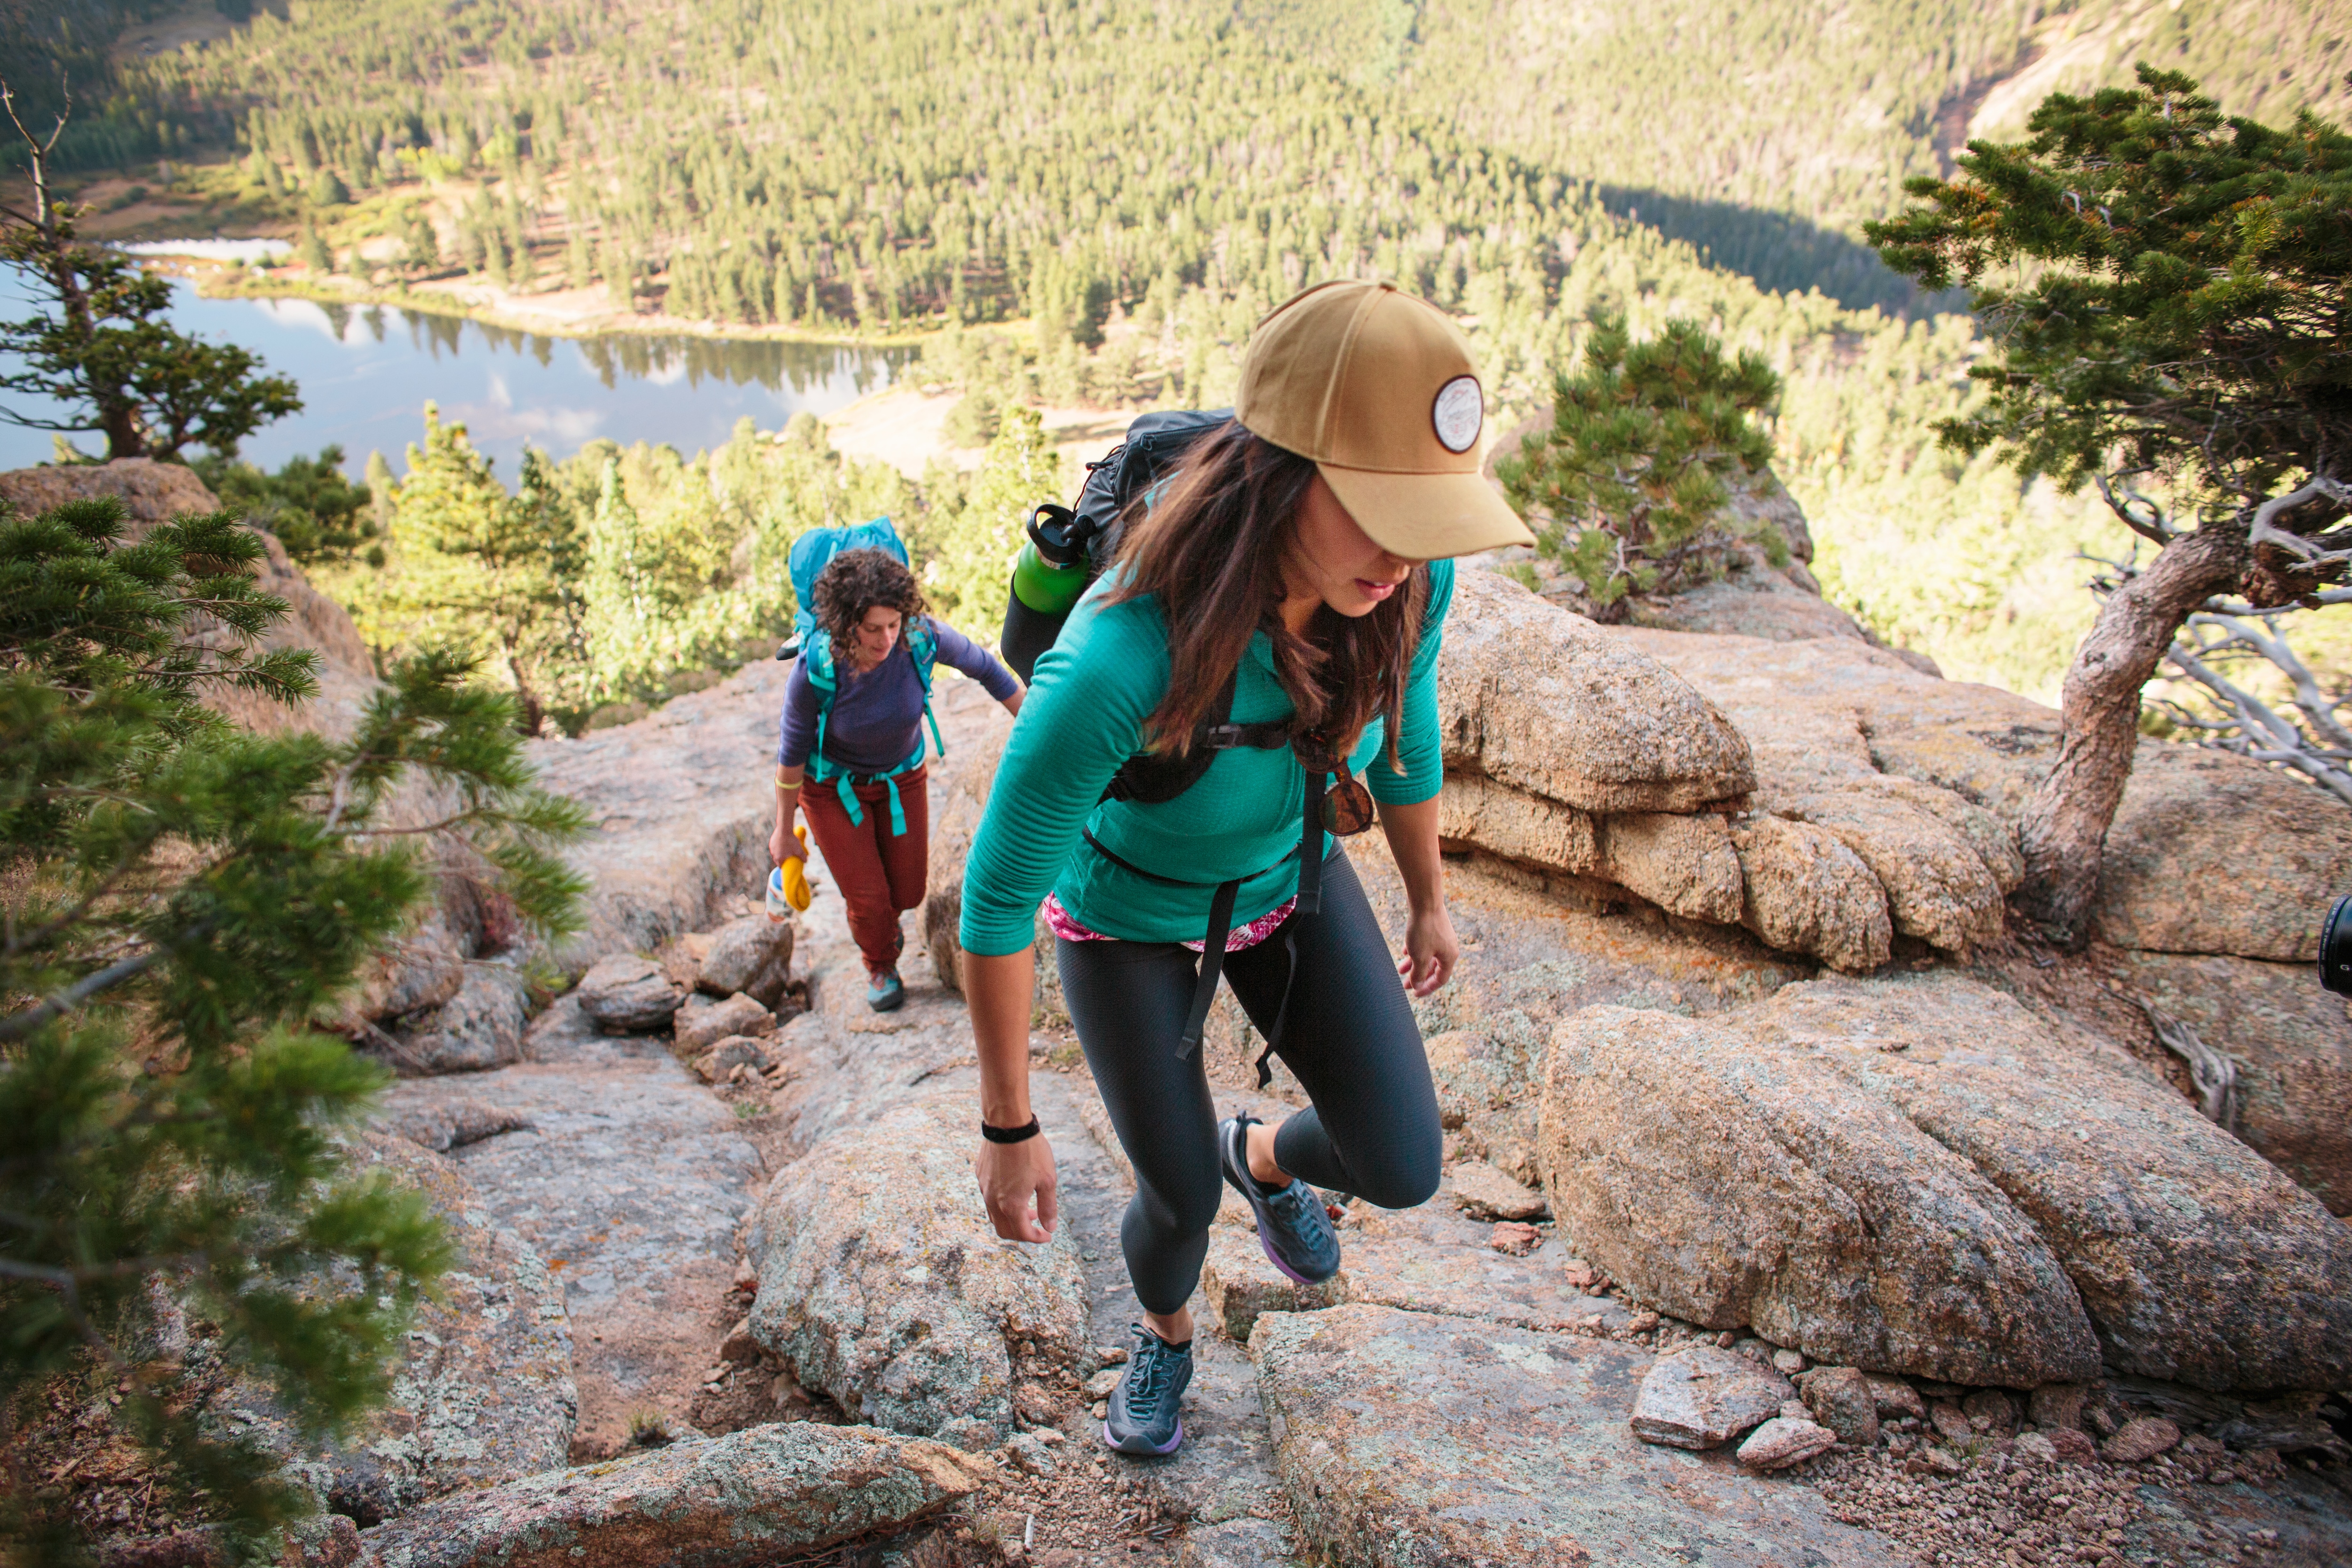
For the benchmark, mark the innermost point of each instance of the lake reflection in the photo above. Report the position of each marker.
(366, 373)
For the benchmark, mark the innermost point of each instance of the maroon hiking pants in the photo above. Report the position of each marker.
(880, 874)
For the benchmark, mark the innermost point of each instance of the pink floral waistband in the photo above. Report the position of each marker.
(1066, 927)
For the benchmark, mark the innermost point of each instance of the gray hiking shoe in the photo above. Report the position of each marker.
(1292, 1225)
(1146, 1413)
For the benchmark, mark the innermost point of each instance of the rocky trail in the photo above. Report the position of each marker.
(1798, 1210)
(1460, 1394)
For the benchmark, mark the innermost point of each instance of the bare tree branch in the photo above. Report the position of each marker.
(2312, 552)
(2148, 522)
(2213, 1072)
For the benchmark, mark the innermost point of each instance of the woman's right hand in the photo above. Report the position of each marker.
(1016, 1182)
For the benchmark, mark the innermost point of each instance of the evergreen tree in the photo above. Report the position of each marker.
(477, 569)
(181, 898)
(1632, 480)
(99, 344)
(2174, 294)
(970, 568)
(317, 514)
(624, 614)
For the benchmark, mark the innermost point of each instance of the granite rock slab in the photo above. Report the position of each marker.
(1808, 1209)
(2197, 1260)
(630, 1180)
(1405, 1440)
(752, 1496)
(882, 1283)
(484, 1392)
(1545, 702)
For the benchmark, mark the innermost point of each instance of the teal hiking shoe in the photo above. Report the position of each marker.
(1293, 1225)
(1146, 1407)
(886, 992)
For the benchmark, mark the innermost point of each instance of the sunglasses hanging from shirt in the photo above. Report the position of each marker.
(1337, 797)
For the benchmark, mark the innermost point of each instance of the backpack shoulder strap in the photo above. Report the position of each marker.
(923, 648)
(816, 657)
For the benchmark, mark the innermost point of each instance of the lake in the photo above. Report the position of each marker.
(366, 372)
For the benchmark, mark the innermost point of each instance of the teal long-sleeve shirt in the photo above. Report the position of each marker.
(1085, 715)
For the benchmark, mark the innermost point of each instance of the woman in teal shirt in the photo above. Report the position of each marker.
(1271, 630)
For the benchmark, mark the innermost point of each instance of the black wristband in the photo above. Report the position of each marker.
(1021, 1134)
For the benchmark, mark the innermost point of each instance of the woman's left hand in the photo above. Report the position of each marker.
(1431, 951)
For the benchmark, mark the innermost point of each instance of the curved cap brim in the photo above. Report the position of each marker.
(1426, 517)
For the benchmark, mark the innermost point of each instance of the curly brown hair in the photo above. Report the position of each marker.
(853, 582)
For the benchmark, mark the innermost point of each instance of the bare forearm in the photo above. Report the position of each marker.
(1412, 833)
(998, 992)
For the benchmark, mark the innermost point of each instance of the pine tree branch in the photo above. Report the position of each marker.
(18, 1025)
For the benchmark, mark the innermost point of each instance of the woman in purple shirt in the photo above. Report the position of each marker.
(864, 601)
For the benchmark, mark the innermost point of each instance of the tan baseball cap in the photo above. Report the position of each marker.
(1377, 388)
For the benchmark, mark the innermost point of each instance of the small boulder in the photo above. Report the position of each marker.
(738, 1345)
(752, 955)
(1702, 1398)
(697, 1027)
(1840, 1398)
(2140, 1439)
(763, 1493)
(2036, 1449)
(2056, 1404)
(626, 995)
(1951, 1421)
(478, 1029)
(717, 1063)
(421, 969)
(1517, 1239)
(1989, 1411)
(1895, 1398)
(1485, 1193)
(1781, 1442)
(2073, 1448)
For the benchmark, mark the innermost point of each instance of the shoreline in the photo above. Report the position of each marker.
(212, 280)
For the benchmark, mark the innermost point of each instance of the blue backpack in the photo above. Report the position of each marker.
(812, 553)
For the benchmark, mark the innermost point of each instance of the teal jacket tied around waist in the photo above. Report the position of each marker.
(1085, 715)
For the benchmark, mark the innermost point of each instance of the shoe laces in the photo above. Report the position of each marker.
(1155, 1368)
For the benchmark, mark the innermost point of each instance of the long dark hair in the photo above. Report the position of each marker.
(1212, 550)
(853, 582)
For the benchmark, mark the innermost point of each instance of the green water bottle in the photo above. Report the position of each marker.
(1045, 587)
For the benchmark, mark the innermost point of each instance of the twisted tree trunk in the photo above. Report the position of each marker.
(2064, 830)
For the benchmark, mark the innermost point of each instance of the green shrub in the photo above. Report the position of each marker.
(181, 898)
(1631, 484)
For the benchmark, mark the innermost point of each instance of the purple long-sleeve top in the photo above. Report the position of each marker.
(876, 715)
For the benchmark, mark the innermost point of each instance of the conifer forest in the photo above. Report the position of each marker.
(1091, 201)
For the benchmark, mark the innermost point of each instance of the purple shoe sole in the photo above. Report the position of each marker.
(1271, 1257)
(1173, 1443)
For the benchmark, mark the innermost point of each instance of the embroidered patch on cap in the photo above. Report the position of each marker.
(1459, 412)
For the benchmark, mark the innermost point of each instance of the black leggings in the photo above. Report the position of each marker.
(1349, 1038)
